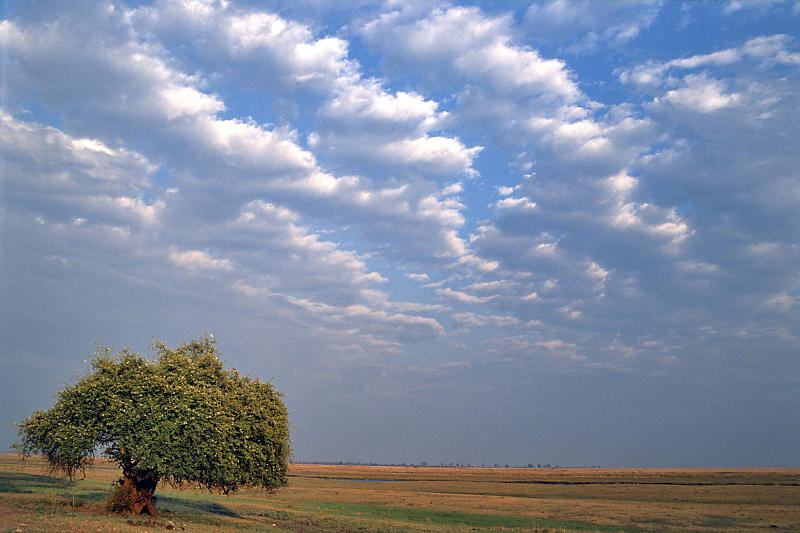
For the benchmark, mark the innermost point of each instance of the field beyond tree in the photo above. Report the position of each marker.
(334, 498)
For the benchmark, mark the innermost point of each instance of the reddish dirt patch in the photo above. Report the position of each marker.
(7, 518)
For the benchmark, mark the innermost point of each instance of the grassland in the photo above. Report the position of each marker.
(324, 498)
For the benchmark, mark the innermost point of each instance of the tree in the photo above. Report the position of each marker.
(181, 419)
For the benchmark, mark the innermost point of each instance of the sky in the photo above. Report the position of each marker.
(470, 232)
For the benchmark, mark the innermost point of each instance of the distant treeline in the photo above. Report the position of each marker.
(425, 464)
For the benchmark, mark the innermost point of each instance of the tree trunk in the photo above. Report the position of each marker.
(140, 487)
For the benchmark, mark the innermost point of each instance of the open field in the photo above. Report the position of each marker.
(403, 499)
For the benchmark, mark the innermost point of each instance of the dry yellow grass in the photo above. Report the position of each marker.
(357, 498)
(673, 499)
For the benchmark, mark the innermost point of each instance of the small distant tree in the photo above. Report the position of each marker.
(180, 419)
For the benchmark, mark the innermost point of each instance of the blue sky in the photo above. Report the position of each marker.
(550, 232)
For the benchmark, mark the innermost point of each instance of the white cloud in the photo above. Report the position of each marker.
(360, 318)
(187, 101)
(495, 286)
(432, 156)
(512, 68)
(561, 348)
(452, 189)
(292, 256)
(596, 272)
(366, 104)
(525, 346)
(274, 157)
(571, 151)
(663, 224)
(82, 178)
(769, 50)
(474, 263)
(462, 42)
(199, 260)
(722, 57)
(698, 267)
(584, 26)
(768, 251)
(364, 127)
(265, 43)
(702, 94)
(239, 157)
(288, 42)
(416, 307)
(732, 7)
(781, 302)
(519, 204)
(57, 162)
(460, 296)
(125, 206)
(251, 146)
(445, 33)
(474, 319)
(136, 84)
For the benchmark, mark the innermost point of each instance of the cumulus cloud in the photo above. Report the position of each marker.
(475, 319)
(588, 207)
(199, 260)
(290, 258)
(460, 296)
(52, 173)
(767, 50)
(411, 179)
(472, 54)
(255, 47)
(367, 105)
(781, 302)
(584, 26)
(365, 128)
(361, 126)
(576, 150)
(520, 204)
(702, 94)
(238, 157)
(357, 320)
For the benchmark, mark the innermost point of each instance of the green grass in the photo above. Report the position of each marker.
(453, 518)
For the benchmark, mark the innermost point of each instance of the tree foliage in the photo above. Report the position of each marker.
(181, 418)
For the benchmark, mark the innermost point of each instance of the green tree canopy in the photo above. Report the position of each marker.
(181, 418)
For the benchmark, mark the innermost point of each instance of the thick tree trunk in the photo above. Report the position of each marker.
(140, 488)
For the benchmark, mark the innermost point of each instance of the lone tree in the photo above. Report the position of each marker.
(181, 418)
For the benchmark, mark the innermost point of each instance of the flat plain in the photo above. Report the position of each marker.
(343, 498)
